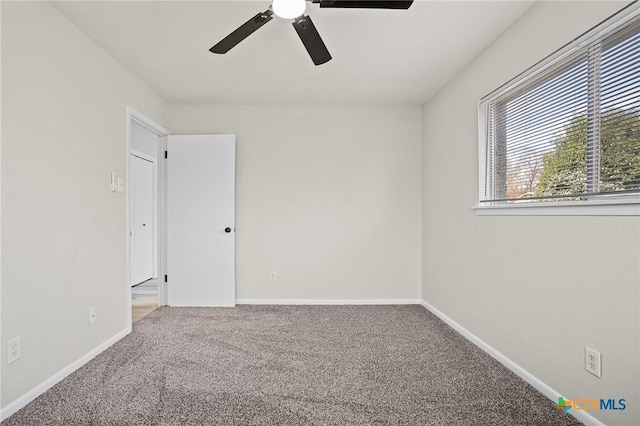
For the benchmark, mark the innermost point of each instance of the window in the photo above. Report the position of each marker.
(567, 132)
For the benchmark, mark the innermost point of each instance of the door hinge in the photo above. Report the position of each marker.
(165, 278)
(166, 154)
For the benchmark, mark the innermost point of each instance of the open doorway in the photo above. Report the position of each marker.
(145, 217)
(143, 224)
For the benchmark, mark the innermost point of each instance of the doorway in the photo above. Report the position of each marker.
(199, 196)
(146, 144)
(142, 231)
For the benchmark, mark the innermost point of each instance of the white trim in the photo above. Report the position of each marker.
(161, 192)
(140, 118)
(542, 387)
(19, 403)
(328, 301)
(618, 207)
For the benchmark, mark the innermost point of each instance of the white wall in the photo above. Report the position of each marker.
(538, 289)
(63, 232)
(329, 197)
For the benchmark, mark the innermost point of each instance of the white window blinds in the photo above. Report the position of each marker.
(570, 129)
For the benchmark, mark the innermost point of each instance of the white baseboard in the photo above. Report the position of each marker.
(328, 301)
(16, 405)
(545, 389)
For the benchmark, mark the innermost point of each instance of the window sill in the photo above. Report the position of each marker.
(626, 207)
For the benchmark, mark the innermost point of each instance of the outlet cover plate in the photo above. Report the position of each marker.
(593, 361)
(13, 350)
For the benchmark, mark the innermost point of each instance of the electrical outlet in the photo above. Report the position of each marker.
(592, 362)
(13, 350)
(272, 276)
(92, 315)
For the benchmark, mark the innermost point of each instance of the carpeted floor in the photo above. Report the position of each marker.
(292, 365)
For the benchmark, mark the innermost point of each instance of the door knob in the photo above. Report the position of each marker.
(227, 230)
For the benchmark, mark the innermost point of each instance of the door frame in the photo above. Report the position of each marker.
(154, 203)
(132, 115)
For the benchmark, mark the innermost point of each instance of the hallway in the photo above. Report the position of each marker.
(144, 299)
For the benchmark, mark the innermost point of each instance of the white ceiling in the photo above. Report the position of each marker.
(379, 56)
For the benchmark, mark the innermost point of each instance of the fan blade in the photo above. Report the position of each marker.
(311, 40)
(244, 31)
(366, 4)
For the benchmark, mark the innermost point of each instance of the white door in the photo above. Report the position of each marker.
(201, 220)
(142, 219)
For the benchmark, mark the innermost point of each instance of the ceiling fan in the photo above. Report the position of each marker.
(295, 9)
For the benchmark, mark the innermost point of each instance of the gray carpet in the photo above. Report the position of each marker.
(292, 365)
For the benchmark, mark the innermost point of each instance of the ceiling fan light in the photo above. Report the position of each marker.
(289, 9)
